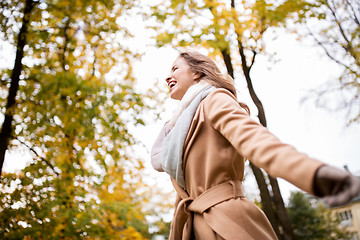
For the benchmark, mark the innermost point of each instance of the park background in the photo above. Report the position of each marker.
(286, 83)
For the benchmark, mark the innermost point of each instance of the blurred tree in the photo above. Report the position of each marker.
(7, 8)
(236, 32)
(74, 105)
(335, 27)
(313, 220)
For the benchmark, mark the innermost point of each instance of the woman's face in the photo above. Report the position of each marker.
(180, 79)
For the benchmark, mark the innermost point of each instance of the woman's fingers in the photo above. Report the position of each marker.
(342, 189)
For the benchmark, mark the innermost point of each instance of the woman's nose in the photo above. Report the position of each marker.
(168, 79)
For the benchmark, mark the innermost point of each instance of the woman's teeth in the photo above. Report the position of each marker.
(172, 84)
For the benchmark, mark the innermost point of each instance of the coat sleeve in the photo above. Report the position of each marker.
(256, 143)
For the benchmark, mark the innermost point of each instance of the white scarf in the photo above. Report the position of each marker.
(172, 151)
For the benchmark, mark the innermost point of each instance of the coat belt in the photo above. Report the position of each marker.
(215, 195)
(209, 198)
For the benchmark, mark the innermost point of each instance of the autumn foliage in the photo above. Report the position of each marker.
(74, 106)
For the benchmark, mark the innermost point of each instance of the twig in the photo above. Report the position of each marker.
(43, 159)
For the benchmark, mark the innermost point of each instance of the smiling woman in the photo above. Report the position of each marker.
(180, 79)
(204, 148)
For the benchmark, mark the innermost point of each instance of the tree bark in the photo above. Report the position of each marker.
(266, 200)
(265, 196)
(280, 209)
(6, 130)
(227, 59)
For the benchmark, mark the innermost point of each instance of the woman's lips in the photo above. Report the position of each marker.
(172, 84)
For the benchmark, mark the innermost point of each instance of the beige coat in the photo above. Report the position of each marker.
(221, 137)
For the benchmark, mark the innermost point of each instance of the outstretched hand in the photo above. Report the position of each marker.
(337, 187)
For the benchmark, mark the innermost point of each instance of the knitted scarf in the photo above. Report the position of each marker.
(172, 151)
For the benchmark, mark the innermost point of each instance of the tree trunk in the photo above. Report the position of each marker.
(281, 212)
(6, 129)
(266, 200)
(265, 196)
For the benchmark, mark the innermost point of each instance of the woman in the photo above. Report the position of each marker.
(204, 147)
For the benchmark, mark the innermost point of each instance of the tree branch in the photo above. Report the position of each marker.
(325, 49)
(356, 19)
(43, 159)
(332, 10)
(66, 37)
(253, 59)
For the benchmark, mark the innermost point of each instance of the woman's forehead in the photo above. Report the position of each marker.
(179, 61)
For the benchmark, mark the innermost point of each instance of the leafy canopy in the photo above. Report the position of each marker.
(76, 103)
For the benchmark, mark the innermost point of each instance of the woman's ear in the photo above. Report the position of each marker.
(197, 76)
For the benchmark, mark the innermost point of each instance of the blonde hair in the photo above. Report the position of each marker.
(209, 72)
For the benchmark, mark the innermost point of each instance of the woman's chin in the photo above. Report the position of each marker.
(175, 98)
(175, 95)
